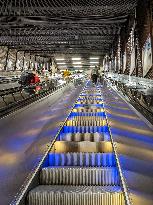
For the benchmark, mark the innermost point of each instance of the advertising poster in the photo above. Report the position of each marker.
(147, 56)
(115, 64)
(132, 60)
(124, 61)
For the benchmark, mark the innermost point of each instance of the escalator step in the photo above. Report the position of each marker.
(86, 118)
(77, 137)
(100, 114)
(85, 146)
(88, 110)
(90, 98)
(86, 123)
(84, 129)
(76, 195)
(82, 159)
(86, 102)
(79, 176)
(92, 137)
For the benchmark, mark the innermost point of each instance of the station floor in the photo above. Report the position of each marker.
(26, 134)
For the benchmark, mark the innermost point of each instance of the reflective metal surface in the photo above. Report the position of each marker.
(25, 135)
(67, 173)
(134, 137)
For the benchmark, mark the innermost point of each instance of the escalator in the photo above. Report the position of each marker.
(81, 168)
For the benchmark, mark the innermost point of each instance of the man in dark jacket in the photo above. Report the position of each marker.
(94, 75)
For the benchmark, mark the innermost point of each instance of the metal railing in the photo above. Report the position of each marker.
(9, 97)
(140, 100)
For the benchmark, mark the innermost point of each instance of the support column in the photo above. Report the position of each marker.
(23, 60)
(136, 54)
(16, 58)
(29, 63)
(119, 56)
(53, 67)
(50, 64)
(5, 66)
(43, 65)
(35, 64)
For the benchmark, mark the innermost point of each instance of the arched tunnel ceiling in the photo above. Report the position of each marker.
(63, 26)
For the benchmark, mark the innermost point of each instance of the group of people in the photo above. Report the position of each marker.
(96, 75)
(33, 78)
(29, 78)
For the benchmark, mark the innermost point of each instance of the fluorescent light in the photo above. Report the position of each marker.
(77, 63)
(60, 59)
(92, 62)
(61, 63)
(94, 58)
(92, 66)
(76, 59)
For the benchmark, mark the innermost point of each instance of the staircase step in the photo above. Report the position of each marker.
(82, 159)
(76, 195)
(85, 146)
(80, 176)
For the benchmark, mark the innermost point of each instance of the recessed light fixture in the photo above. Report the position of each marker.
(94, 62)
(77, 63)
(94, 58)
(92, 66)
(61, 63)
(76, 59)
(60, 59)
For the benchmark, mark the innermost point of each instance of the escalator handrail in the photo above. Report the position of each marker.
(20, 102)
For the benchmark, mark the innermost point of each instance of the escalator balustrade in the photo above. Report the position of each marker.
(82, 168)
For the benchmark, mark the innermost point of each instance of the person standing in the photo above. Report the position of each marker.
(94, 75)
(66, 75)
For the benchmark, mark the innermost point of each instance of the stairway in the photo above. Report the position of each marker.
(82, 168)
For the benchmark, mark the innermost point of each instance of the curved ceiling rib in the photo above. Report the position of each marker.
(63, 26)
